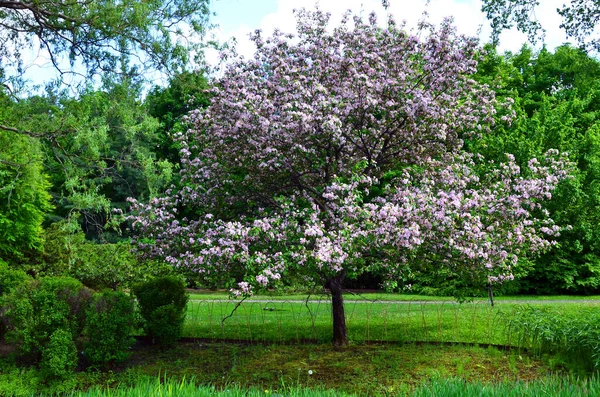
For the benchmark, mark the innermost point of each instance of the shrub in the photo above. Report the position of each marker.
(37, 310)
(109, 325)
(97, 266)
(162, 303)
(9, 280)
(59, 356)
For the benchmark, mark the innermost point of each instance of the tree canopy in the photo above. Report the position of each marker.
(95, 138)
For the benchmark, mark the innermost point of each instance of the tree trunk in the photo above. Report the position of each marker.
(340, 337)
(491, 294)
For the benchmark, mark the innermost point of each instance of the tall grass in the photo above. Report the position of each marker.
(149, 387)
(555, 386)
(572, 334)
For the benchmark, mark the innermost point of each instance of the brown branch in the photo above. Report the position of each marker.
(23, 132)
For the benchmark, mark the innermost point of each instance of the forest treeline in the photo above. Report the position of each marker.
(69, 162)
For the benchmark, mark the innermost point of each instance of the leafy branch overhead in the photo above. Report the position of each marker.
(97, 34)
(579, 19)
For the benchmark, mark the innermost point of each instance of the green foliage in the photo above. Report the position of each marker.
(162, 303)
(574, 335)
(24, 196)
(59, 356)
(96, 265)
(98, 148)
(99, 34)
(38, 309)
(10, 279)
(579, 19)
(108, 153)
(109, 325)
(186, 91)
(557, 106)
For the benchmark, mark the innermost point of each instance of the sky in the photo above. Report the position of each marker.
(237, 18)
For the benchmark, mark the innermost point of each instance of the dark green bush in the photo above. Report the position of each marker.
(109, 326)
(162, 302)
(97, 266)
(38, 309)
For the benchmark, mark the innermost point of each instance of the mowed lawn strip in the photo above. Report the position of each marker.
(382, 296)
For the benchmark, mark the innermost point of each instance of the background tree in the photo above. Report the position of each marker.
(340, 153)
(97, 145)
(100, 148)
(580, 18)
(24, 193)
(186, 91)
(557, 103)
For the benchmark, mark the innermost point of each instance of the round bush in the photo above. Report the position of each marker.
(10, 278)
(59, 356)
(109, 326)
(38, 309)
(162, 302)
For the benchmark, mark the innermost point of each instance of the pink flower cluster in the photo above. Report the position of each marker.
(343, 151)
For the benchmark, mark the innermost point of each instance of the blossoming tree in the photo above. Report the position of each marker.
(339, 152)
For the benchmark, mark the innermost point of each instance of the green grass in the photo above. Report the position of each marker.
(293, 321)
(162, 387)
(557, 387)
(382, 296)
(393, 368)
(357, 296)
(359, 369)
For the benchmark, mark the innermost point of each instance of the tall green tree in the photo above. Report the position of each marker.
(107, 40)
(99, 148)
(557, 101)
(185, 92)
(24, 193)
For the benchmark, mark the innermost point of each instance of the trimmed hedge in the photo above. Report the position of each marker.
(109, 326)
(162, 302)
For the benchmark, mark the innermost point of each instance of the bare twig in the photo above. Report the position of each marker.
(233, 311)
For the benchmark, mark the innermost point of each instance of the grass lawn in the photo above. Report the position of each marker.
(275, 350)
(382, 296)
(292, 320)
